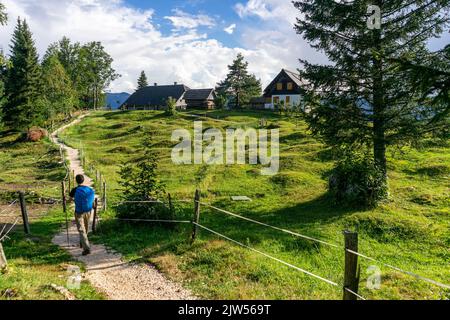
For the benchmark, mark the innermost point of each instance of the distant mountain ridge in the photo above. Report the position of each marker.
(115, 100)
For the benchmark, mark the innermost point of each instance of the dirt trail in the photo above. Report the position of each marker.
(105, 269)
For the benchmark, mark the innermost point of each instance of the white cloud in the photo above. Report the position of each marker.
(230, 29)
(134, 41)
(258, 8)
(183, 20)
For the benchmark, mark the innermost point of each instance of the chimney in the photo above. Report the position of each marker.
(155, 84)
(175, 83)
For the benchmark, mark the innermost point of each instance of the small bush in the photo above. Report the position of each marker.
(140, 182)
(357, 181)
(171, 107)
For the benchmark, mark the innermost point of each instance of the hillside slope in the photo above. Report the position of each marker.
(409, 231)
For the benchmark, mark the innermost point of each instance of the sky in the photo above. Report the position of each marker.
(185, 41)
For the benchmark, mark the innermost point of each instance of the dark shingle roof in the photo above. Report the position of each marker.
(156, 95)
(295, 77)
(198, 94)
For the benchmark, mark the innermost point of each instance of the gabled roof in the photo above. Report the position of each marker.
(156, 95)
(198, 94)
(295, 77)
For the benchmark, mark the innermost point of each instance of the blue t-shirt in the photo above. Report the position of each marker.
(84, 199)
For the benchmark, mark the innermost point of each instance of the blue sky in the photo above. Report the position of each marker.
(184, 41)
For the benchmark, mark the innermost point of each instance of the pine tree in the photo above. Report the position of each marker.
(142, 81)
(362, 98)
(239, 84)
(3, 21)
(3, 14)
(24, 107)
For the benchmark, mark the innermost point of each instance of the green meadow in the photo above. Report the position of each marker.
(410, 230)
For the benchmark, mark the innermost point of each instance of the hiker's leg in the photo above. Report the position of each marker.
(82, 230)
(87, 218)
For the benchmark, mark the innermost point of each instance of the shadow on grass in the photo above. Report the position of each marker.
(36, 248)
(149, 240)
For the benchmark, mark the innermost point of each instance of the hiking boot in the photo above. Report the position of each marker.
(86, 252)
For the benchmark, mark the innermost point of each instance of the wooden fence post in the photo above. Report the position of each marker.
(351, 273)
(104, 195)
(69, 179)
(196, 215)
(64, 204)
(63, 189)
(171, 209)
(23, 208)
(94, 221)
(3, 262)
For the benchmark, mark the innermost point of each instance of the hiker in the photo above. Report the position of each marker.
(84, 197)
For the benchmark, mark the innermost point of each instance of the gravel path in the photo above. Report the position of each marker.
(105, 269)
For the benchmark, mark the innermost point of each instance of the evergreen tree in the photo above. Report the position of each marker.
(24, 107)
(239, 84)
(140, 181)
(431, 73)
(3, 21)
(3, 14)
(363, 98)
(142, 81)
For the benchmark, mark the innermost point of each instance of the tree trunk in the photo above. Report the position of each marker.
(379, 141)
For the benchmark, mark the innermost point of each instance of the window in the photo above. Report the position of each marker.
(288, 99)
(279, 86)
(290, 86)
(276, 100)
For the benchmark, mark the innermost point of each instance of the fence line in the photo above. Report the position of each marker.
(330, 244)
(267, 255)
(8, 207)
(154, 220)
(282, 230)
(439, 284)
(270, 226)
(354, 293)
(7, 232)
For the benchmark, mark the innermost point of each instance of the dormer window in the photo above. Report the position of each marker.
(290, 86)
(279, 86)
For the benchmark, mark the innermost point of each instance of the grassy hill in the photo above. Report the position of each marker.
(410, 231)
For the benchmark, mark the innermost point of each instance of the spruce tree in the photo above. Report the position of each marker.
(24, 107)
(239, 84)
(362, 97)
(142, 81)
(3, 14)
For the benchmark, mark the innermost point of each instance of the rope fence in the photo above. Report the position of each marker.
(267, 255)
(439, 284)
(196, 224)
(270, 226)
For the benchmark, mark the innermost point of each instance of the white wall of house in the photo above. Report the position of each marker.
(294, 100)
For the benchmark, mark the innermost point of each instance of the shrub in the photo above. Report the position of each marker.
(171, 107)
(140, 182)
(220, 101)
(357, 181)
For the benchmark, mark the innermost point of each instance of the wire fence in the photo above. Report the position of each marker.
(195, 223)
